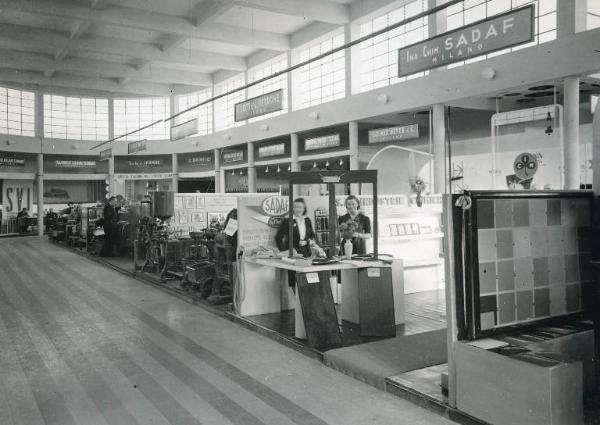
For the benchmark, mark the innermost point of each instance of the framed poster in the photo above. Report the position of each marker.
(200, 202)
(197, 217)
(190, 203)
(183, 217)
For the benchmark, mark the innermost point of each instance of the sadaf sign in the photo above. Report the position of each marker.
(492, 34)
(276, 205)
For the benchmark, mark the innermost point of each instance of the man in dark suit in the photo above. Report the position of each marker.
(110, 219)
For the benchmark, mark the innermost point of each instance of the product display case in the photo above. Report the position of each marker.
(411, 233)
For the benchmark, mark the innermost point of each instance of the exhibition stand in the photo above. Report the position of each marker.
(523, 292)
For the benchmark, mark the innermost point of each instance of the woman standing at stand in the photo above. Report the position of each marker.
(360, 222)
(303, 231)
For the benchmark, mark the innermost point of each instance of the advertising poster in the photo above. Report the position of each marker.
(259, 218)
(16, 195)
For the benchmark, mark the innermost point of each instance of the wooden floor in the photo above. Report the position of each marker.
(83, 344)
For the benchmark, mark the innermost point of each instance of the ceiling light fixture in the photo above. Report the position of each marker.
(278, 169)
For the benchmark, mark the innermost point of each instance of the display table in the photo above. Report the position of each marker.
(367, 298)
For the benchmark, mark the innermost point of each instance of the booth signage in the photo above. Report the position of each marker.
(71, 164)
(271, 150)
(144, 163)
(185, 129)
(392, 134)
(138, 146)
(144, 176)
(323, 142)
(105, 154)
(495, 33)
(259, 105)
(17, 194)
(276, 206)
(199, 160)
(11, 162)
(233, 156)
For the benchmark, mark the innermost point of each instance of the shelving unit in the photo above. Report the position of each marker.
(322, 229)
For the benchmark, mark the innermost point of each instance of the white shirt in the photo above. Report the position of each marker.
(301, 223)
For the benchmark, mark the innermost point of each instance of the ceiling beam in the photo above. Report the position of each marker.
(43, 63)
(84, 83)
(24, 38)
(317, 10)
(77, 31)
(151, 21)
(208, 11)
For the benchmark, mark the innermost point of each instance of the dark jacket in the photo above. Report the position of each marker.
(363, 224)
(109, 216)
(282, 236)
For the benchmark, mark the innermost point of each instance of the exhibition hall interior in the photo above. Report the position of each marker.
(299, 212)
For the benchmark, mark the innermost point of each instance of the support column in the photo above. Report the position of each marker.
(353, 148)
(294, 152)
(251, 169)
(439, 149)
(39, 132)
(294, 158)
(571, 17)
(217, 155)
(40, 194)
(571, 133)
(175, 166)
(111, 176)
(596, 150)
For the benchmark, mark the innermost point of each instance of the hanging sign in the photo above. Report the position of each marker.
(259, 105)
(323, 142)
(105, 154)
(138, 146)
(271, 150)
(233, 156)
(185, 129)
(486, 36)
(392, 134)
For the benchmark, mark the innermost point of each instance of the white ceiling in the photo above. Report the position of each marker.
(151, 47)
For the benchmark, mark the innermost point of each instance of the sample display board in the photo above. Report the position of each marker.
(527, 257)
(194, 211)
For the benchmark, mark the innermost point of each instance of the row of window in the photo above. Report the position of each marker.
(318, 82)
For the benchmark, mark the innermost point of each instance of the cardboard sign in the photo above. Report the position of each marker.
(232, 227)
(259, 105)
(492, 34)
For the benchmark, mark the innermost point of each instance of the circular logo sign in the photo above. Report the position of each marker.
(276, 205)
(525, 166)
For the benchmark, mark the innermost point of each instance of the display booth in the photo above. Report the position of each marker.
(523, 293)
(272, 281)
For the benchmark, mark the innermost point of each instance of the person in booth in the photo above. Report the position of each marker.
(361, 222)
(109, 222)
(68, 210)
(303, 231)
